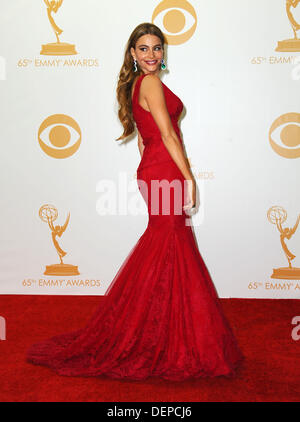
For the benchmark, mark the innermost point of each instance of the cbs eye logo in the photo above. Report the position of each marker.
(62, 136)
(289, 134)
(173, 16)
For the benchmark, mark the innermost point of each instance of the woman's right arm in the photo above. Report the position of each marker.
(151, 90)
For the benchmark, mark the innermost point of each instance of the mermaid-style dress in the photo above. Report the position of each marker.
(161, 315)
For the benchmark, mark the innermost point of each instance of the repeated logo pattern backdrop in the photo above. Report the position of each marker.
(71, 209)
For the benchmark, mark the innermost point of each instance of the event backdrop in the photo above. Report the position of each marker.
(71, 210)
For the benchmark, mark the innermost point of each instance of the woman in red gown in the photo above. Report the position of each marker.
(161, 315)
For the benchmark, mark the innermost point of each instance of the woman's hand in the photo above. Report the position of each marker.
(190, 190)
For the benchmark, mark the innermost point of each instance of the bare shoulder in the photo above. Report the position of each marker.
(150, 83)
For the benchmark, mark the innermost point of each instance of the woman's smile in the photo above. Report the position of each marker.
(151, 62)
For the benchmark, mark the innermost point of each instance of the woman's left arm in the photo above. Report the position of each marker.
(140, 144)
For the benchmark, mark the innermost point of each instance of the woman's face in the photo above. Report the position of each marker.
(148, 53)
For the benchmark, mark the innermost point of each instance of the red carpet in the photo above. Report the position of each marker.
(263, 328)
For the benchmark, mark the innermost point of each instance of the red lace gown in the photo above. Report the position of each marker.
(161, 315)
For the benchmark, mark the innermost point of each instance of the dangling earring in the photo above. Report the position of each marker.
(134, 65)
(163, 66)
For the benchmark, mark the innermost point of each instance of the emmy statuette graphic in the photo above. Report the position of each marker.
(48, 214)
(58, 48)
(292, 44)
(277, 215)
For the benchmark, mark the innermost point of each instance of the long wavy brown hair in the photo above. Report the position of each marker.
(127, 76)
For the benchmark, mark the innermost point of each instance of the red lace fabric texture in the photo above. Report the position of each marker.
(161, 315)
